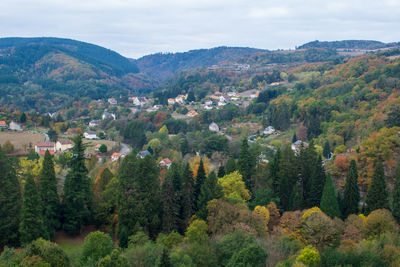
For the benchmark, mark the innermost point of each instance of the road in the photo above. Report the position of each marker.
(125, 149)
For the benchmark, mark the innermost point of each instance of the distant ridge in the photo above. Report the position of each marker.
(349, 44)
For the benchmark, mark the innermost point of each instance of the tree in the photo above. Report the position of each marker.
(10, 203)
(310, 170)
(96, 246)
(77, 195)
(288, 176)
(197, 232)
(53, 136)
(171, 204)
(22, 118)
(230, 166)
(377, 196)
(351, 196)
(103, 148)
(188, 199)
(245, 164)
(252, 255)
(48, 195)
(221, 171)
(8, 147)
(329, 203)
(209, 190)
(274, 171)
(32, 155)
(396, 194)
(200, 178)
(233, 187)
(31, 225)
(294, 138)
(317, 184)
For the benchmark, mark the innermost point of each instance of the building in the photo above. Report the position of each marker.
(3, 125)
(213, 127)
(108, 115)
(90, 135)
(207, 107)
(269, 130)
(171, 101)
(139, 101)
(15, 126)
(165, 163)
(180, 99)
(221, 103)
(41, 148)
(208, 103)
(112, 101)
(298, 145)
(153, 108)
(94, 123)
(144, 153)
(192, 113)
(116, 156)
(64, 145)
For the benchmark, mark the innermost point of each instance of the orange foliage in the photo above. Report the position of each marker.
(341, 162)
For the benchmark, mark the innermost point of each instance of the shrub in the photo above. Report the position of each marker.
(50, 253)
(96, 246)
(309, 256)
(380, 221)
(231, 244)
(252, 255)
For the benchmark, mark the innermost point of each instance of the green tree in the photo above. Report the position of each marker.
(209, 190)
(317, 184)
(53, 136)
(50, 252)
(329, 203)
(32, 155)
(200, 178)
(230, 166)
(10, 203)
(171, 205)
(77, 194)
(188, 199)
(221, 171)
(327, 150)
(288, 176)
(245, 164)
(377, 196)
(8, 147)
(31, 225)
(396, 194)
(49, 196)
(96, 246)
(22, 118)
(274, 171)
(197, 232)
(103, 148)
(294, 138)
(351, 196)
(309, 170)
(252, 255)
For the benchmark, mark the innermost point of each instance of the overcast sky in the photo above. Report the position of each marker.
(138, 27)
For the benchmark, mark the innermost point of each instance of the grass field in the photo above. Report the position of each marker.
(21, 140)
(93, 143)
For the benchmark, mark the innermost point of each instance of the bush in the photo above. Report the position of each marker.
(8, 147)
(96, 246)
(103, 148)
(309, 256)
(50, 253)
(380, 221)
(253, 255)
(231, 244)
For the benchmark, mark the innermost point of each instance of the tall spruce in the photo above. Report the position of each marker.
(288, 176)
(329, 202)
(221, 171)
(10, 203)
(230, 166)
(317, 184)
(77, 193)
(209, 190)
(188, 199)
(326, 150)
(377, 196)
(245, 164)
(396, 194)
(139, 198)
(308, 164)
(49, 196)
(170, 205)
(32, 225)
(351, 196)
(296, 198)
(274, 171)
(200, 178)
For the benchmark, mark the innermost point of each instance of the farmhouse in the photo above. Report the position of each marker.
(116, 156)
(41, 148)
(63, 145)
(94, 123)
(269, 130)
(139, 101)
(112, 101)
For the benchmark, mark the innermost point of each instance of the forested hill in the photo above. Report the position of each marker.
(349, 44)
(164, 65)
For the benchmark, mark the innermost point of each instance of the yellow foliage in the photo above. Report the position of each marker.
(194, 164)
(29, 166)
(309, 212)
(264, 213)
(233, 187)
(163, 129)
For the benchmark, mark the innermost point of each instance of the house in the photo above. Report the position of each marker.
(112, 101)
(213, 127)
(221, 103)
(171, 101)
(90, 135)
(192, 113)
(116, 156)
(207, 107)
(180, 99)
(222, 98)
(15, 126)
(269, 130)
(3, 125)
(94, 123)
(298, 145)
(231, 94)
(144, 153)
(41, 148)
(139, 101)
(107, 115)
(208, 103)
(154, 108)
(165, 163)
(63, 145)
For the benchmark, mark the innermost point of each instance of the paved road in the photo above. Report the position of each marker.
(125, 149)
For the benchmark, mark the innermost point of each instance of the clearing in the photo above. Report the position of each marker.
(22, 140)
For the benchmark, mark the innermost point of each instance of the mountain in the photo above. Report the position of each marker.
(162, 66)
(349, 44)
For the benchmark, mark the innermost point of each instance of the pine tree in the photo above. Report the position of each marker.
(32, 225)
(327, 150)
(294, 138)
(274, 171)
(288, 176)
(188, 199)
(230, 166)
(317, 184)
(245, 164)
(221, 171)
(396, 194)
(351, 196)
(49, 196)
(200, 178)
(377, 196)
(171, 208)
(329, 202)
(308, 164)
(296, 198)
(10, 203)
(76, 191)
(209, 190)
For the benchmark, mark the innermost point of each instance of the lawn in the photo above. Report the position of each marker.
(21, 140)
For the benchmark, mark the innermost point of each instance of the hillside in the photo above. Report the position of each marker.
(349, 44)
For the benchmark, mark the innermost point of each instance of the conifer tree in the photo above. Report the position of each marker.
(31, 225)
(377, 196)
(209, 191)
(396, 194)
(274, 171)
(230, 166)
(327, 150)
(308, 164)
(200, 178)
(188, 199)
(77, 195)
(329, 202)
(351, 196)
(296, 198)
(221, 171)
(294, 138)
(171, 208)
(10, 203)
(317, 184)
(288, 176)
(245, 164)
(49, 196)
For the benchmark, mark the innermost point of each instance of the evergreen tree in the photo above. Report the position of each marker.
(274, 171)
(188, 199)
(171, 208)
(32, 155)
(10, 203)
(230, 166)
(221, 171)
(317, 184)
(294, 138)
(327, 150)
(49, 196)
(200, 178)
(351, 192)
(308, 164)
(288, 176)
(329, 202)
(377, 196)
(396, 194)
(31, 225)
(22, 118)
(76, 191)
(209, 191)
(339, 198)
(245, 164)
(296, 198)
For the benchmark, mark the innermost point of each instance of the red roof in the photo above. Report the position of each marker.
(165, 161)
(42, 152)
(45, 144)
(115, 154)
(2, 123)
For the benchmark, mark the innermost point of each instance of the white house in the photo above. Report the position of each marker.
(208, 103)
(90, 135)
(165, 163)
(221, 103)
(15, 126)
(144, 153)
(63, 145)
(108, 115)
(269, 130)
(213, 127)
(139, 101)
(207, 107)
(298, 145)
(171, 101)
(94, 123)
(112, 101)
(116, 156)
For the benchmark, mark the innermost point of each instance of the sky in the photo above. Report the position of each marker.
(135, 28)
